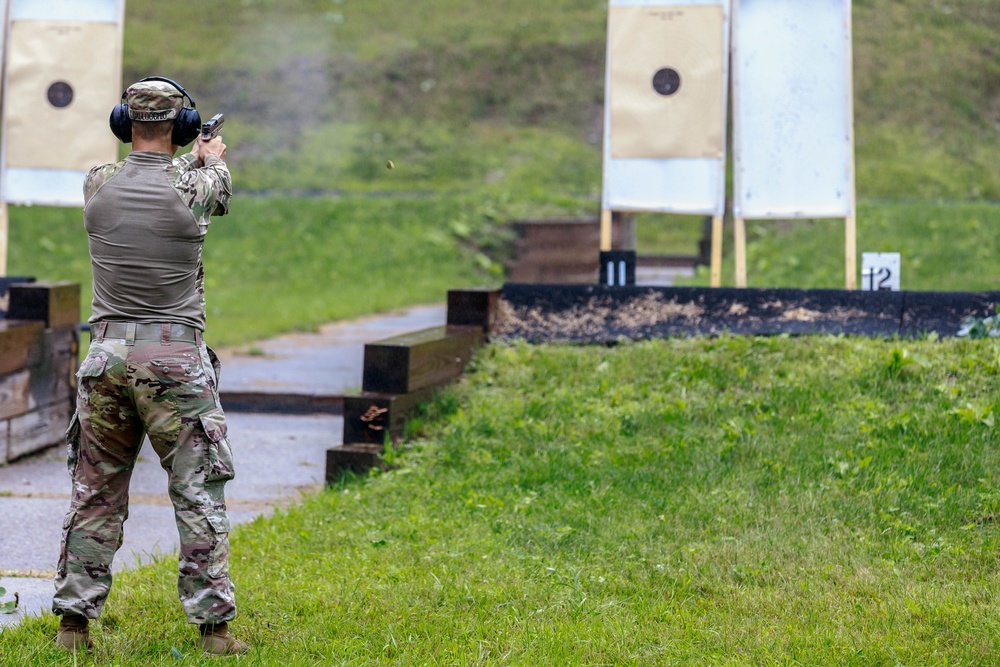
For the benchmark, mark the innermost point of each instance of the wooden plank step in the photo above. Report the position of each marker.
(425, 358)
(371, 416)
(357, 459)
(284, 403)
(539, 255)
(17, 340)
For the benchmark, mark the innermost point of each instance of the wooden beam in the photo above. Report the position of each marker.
(473, 307)
(357, 459)
(17, 339)
(52, 363)
(740, 250)
(56, 304)
(371, 416)
(605, 229)
(38, 429)
(851, 252)
(424, 358)
(284, 403)
(717, 251)
(15, 395)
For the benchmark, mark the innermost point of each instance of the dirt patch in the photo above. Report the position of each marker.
(592, 319)
(595, 314)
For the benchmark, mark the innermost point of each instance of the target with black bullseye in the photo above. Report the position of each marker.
(667, 74)
(665, 106)
(62, 76)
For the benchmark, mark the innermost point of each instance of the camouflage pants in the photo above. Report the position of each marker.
(166, 390)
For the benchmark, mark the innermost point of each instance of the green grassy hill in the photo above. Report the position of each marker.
(492, 112)
(307, 78)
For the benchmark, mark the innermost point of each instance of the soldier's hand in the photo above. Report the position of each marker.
(213, 146)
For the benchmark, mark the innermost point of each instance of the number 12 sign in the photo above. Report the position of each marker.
(880, 271)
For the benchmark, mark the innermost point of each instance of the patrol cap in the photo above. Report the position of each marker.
(153, 100)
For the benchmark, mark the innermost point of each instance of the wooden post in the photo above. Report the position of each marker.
(851, 252)
(473, 307)
(717, 251)
(740, 250)
(605, 229)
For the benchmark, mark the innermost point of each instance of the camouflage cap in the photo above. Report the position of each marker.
(153, 100)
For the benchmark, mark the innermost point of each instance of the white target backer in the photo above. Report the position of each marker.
(63, 75)
(793, 143)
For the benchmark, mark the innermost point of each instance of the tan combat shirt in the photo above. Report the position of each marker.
(146, 219)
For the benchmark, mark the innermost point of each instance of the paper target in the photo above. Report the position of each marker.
(62, 77)
(667, 82)
(665, 112)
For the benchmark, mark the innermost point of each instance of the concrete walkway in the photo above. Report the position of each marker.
(278, 457)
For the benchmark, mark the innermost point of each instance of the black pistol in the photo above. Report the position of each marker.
(210, 129)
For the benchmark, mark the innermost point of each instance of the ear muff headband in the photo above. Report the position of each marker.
(187, 124)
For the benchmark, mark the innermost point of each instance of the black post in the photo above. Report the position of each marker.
(617, 268)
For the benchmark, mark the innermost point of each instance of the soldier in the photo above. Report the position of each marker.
(148, 371)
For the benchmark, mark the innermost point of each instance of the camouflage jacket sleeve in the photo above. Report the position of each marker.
(206, 190)
(97, 177)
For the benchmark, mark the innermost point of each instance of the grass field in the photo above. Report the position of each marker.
(779, 501)
(733, 501)
(280, 264)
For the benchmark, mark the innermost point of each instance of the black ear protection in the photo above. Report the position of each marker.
(187, 124)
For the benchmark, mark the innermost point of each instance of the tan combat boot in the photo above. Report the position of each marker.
(216, 640)
(74, 633)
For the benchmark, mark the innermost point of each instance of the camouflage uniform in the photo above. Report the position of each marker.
(149, 373)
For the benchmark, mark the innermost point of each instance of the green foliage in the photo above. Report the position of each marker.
(8, 606)
(727, 501)
(981, 327)
(943, 246)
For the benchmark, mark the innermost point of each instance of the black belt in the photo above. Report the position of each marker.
(136, 331)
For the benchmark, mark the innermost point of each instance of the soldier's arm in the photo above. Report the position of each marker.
(205, 180)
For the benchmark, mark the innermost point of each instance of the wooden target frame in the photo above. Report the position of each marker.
(788, 70)
(666, 95)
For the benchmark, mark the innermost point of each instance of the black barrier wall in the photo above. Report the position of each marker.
(588, 313)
